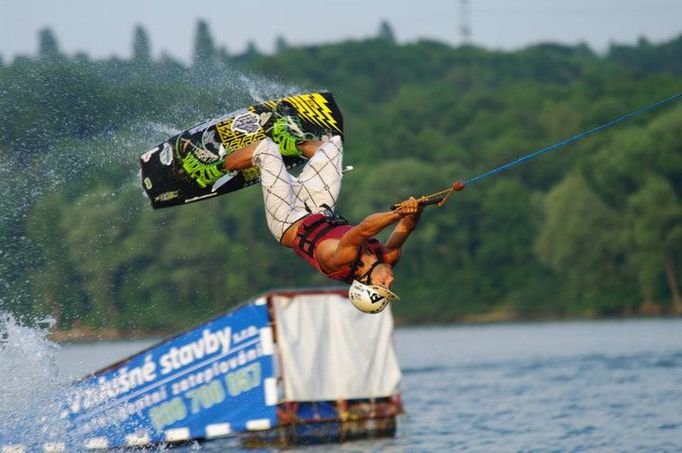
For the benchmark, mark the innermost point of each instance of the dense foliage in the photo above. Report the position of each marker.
(592, 230)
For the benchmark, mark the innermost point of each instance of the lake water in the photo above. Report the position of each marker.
(569, 386)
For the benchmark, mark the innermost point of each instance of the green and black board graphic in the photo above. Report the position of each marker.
(164, 179)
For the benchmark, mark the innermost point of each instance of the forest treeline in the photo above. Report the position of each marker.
(593, 229)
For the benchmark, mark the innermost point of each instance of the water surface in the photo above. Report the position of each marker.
(565, 386)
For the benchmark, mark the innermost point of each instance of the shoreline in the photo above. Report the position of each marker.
(89, 335)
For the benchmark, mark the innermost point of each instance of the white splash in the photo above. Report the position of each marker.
(32, 386)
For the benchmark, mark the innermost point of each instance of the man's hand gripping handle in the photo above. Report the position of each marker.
(438, 198)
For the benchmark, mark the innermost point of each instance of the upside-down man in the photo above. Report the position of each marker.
(300, 212)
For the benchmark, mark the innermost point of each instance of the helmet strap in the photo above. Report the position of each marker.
(366, 278)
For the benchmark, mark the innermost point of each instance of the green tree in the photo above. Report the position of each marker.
(251, 49)
(281, 44)
(386, 32)
(60, 285)
(48, 49)
(654, 220)
(204, 47)
(223, 56)
(142, 52)
(97, 227)
(580, 242)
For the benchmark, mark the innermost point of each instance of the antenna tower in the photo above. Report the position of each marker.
(464, 27)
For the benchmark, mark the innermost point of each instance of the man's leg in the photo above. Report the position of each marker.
(285, 132)
(281, 210)
(241, 158)
(319, 183)
(287, 200)
(308, 148)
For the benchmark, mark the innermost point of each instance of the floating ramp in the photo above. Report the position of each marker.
(289, 367)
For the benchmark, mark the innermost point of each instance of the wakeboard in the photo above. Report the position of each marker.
(167, 184)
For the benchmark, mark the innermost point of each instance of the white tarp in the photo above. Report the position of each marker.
(329, 350)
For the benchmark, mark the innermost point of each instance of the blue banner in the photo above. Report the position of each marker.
(212, 381)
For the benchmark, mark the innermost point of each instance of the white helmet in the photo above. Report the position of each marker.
(370, 298)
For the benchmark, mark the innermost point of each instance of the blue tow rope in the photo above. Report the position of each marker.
(576, 137)
(441, 197)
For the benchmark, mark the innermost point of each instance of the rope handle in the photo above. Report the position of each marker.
(437, 198)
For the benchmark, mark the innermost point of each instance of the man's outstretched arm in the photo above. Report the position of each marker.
(401, 232)
(350, 243)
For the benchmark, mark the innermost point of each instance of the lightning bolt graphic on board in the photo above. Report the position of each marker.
(313, 108)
